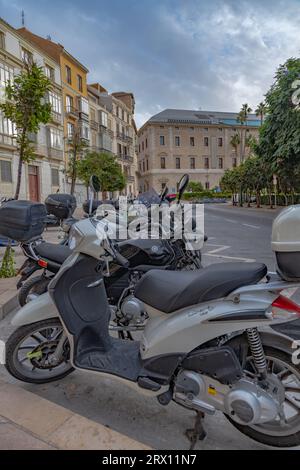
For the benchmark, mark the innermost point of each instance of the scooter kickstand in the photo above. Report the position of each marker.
(197, 432)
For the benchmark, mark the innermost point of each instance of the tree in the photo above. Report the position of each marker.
(261, 111)
(231, 181)
(77, 147)
(195, 186)
(27, 109)
(105, 166)
(235, 142)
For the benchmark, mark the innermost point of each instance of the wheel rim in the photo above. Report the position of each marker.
(289, 376)
(32, 354)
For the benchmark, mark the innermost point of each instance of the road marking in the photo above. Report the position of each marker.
(215, 253)
(252, 226)
(232, 221)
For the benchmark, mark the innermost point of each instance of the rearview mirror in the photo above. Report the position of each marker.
(94, 184)
(182, 185)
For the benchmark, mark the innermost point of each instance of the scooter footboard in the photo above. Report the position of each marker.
(79, 294)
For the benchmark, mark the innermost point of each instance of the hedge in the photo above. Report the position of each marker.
(206, 194)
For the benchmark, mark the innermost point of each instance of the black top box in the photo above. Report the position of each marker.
(22, 220)
(61, 205)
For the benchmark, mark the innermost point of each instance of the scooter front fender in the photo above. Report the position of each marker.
(41, 308)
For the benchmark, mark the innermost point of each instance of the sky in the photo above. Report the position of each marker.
(188, 54)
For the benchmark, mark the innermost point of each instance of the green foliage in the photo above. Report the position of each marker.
(195, 186)
(8, 263)
(77, 147)
(106, 167)
(27, 108)
(279, 143)
(261, 111)
(206, 194)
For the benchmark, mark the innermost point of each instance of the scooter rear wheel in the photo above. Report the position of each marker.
(34, 286)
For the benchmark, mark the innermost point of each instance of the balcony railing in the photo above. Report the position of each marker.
(94, 125)
(56, 117)
(130, 178)
(128, 158)
(72, 111)
(124, 137)
(58, 154)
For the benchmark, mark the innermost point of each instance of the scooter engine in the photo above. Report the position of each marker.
(133, 310)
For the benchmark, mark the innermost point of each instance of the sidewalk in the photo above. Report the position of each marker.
(28, 421)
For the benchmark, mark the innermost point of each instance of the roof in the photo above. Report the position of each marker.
(53, 49)
(201, 117)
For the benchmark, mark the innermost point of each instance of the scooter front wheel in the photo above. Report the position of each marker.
(29, 351)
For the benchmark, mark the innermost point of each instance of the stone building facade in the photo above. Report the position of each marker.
(175, 142)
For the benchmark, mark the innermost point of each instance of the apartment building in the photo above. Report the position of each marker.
(101, 120)
(44, 175)
(123, 105)
(199, 143)
(75, 98)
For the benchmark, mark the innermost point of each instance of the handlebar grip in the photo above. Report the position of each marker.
(121, 260)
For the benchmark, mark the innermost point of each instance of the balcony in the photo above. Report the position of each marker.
(128, 158)
(71, 111)
(58, 154)
(124, 137)
(56, 117)
(94, 125)
(130, 178)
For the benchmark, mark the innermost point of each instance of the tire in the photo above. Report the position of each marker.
(37, 285)
(289, 440)
(14, 365)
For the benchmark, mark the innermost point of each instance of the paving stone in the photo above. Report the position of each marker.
(14, 438)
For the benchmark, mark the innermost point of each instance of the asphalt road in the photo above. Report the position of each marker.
(236, 234)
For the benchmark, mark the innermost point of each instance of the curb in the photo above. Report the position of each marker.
(57, 426)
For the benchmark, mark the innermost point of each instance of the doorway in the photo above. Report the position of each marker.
(33, 179)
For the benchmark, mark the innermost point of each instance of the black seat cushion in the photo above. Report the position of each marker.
(53, 252)
(169, 291)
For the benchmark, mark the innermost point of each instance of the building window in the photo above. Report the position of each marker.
(56, 139)
(205, 129)
(192, 163)
(234, 162)
(220, 163)
(143, 146)
(221, 129)
(55, 177)
(146, 142)
(177, 141)
(143, 166)
(147, 165)
(103, 119)
(2, 40)
(6, 126)
(84, 106)
(192, 128)
(162, 140)
(139, 147)
(49, 72)
(177, 163)
(79, 82)
(85, 131)
(205, 141)
(70, 130)
(69, 104)
(55, 101)
(68, 75)
(206, 184)
(27, 56)
(163, 163)
(220, 142)
(206, 163)
(192, 141)
(6, 73)
(5, 171)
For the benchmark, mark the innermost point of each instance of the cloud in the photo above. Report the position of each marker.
(197, 53)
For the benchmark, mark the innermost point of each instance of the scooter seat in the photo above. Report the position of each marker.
(53, 252)
(173, 290)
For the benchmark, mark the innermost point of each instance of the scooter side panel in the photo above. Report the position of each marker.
(41, 308)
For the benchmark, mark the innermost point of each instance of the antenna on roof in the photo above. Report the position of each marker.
(23, 18)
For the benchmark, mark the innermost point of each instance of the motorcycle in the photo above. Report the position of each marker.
(142, 255)
(219, 339)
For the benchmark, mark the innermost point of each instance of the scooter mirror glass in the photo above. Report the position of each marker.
(182, 185)
(95, 183)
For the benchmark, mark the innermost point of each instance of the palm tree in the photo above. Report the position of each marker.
(260, 111)
(235, 142)
(243, 114)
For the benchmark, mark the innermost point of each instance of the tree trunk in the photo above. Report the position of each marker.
(258, 199)
(270, 198)
(19, 176)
